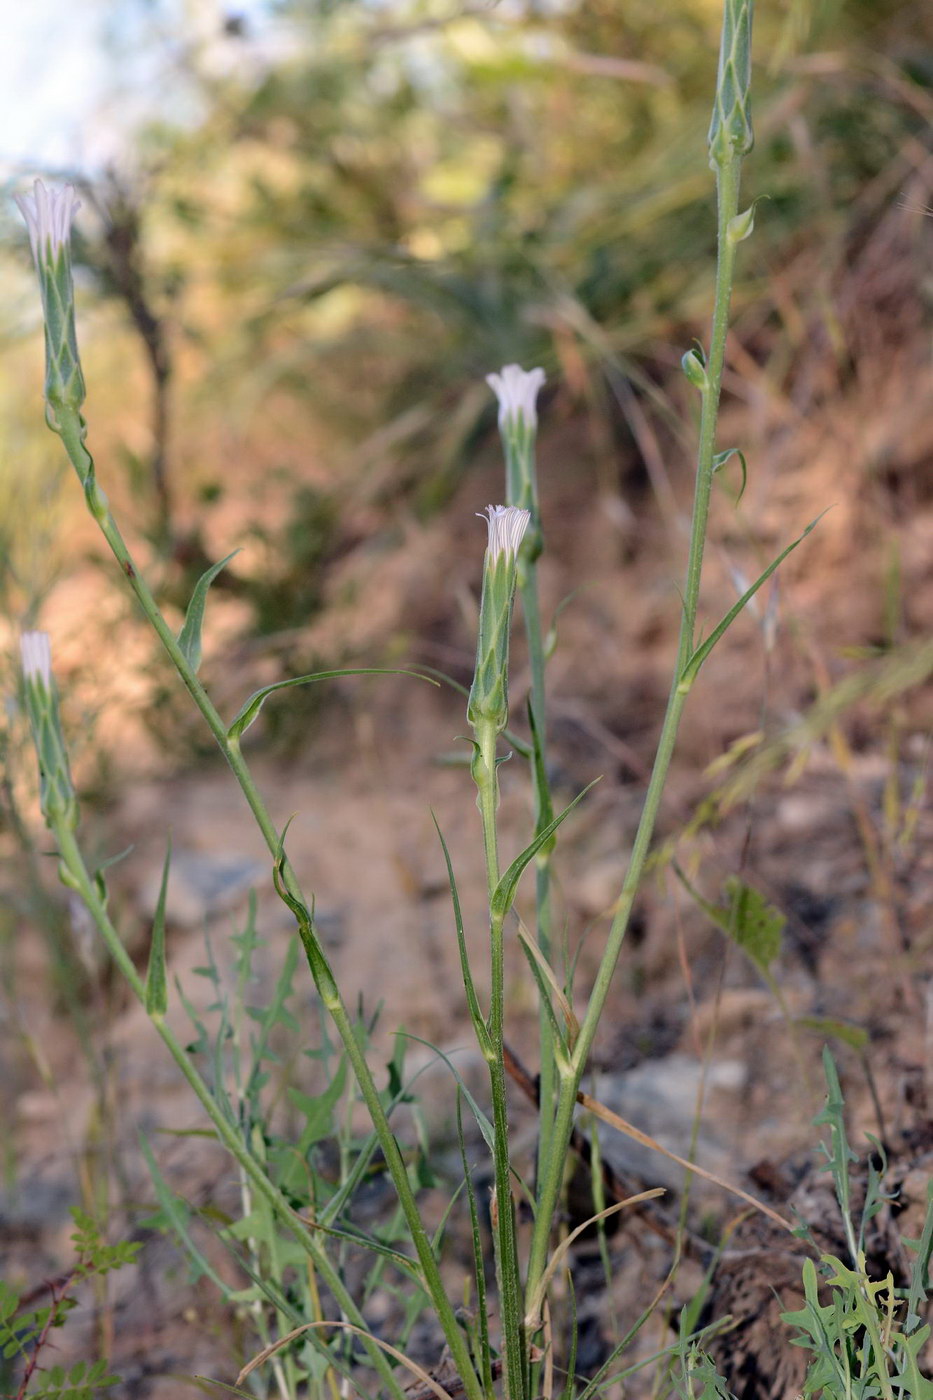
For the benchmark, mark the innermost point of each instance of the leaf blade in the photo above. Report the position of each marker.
(189, 638)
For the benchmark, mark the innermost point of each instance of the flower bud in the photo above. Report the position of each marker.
(730, 132)
(56, 791)
(48, 215)
(489, 698)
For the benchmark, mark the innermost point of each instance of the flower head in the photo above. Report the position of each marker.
(517, 392)
(507, 526)
(48, 215)
(36, 654)
(56, 791)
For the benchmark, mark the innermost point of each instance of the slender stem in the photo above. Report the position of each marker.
(71, 430)
(547, 1081)
(507, 1265)
(549, 1187)
(79, 878)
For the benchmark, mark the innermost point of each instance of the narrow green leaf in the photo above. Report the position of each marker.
(476, 1016)
(175, 1214)
(856, 1037)
(189, 638)
(114, 860)
(482, 1122)
(692, 667)
(479, 1267)
(254, 704)
(720, 460)
(156, 985)
(919, 1290)
(560, 1032)
(504, 893)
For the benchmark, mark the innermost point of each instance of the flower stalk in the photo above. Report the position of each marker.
(488, 714)
(730, 137)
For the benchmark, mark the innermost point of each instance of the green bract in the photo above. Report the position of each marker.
(730, 132)
(489, 696)
(56, 791)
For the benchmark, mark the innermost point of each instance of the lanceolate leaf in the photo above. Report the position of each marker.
(476, 1016)
(504, 893)
(189, 638)
(254, 704)
(156, 987)
(703, 650)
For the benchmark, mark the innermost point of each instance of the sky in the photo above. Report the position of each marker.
(74, 74)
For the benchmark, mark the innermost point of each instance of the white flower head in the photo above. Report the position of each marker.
(517, 392)
(36, 653)
(48, 215)
(507, 526)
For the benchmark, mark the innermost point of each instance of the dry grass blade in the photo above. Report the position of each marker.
(533, 1318)
(607, 1116)
(431, 1386)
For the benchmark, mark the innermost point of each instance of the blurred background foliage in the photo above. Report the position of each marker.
(314, 248)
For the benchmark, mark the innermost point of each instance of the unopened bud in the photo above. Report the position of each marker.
(730, 132)
(489, 700)
(56, 791)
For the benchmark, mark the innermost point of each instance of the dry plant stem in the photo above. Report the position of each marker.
(76, 875)
(507, 1265)
(727, 179)
(70, 427)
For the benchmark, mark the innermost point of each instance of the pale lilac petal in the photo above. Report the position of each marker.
(36, 653)
(49, 215)
(517, 392)
(507, 526)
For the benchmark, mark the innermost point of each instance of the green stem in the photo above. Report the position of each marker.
(547, 1081)
(79, 878)
(71, 429)
(507, 1265)
(727, 177)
